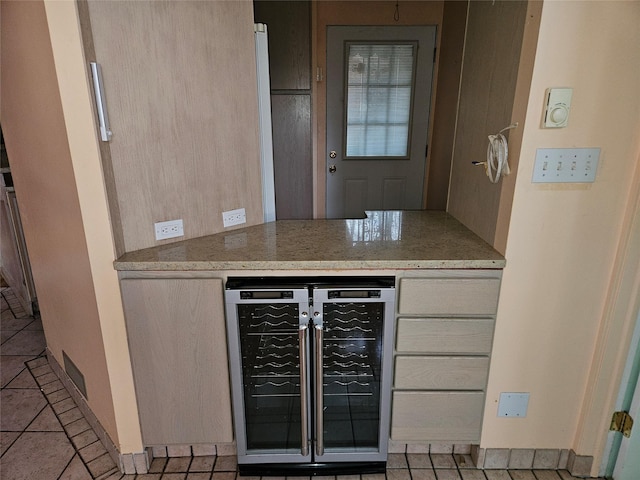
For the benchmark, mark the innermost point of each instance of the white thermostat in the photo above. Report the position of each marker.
(557, 106)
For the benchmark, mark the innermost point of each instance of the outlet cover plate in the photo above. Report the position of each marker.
(169, 229)
(513, 404)
(566, 165)
(234, 217)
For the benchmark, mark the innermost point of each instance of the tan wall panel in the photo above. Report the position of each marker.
(180, 83)
(486, 103)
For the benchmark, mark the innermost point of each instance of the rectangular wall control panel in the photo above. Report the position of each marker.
(566, 165)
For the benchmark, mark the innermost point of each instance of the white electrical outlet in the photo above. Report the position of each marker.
(234, 217)
(169, 229)
(565, 165)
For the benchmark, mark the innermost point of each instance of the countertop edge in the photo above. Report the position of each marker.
(310, 265)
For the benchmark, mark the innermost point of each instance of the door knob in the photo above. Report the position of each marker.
(333, 154)
(332, 169)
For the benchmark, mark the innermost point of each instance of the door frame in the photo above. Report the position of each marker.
(617, 449)
(627, 307)
(613, 342)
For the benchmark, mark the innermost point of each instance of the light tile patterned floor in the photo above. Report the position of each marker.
(43, 435)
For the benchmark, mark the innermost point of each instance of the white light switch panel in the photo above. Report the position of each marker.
(513, 404)
(566, 165)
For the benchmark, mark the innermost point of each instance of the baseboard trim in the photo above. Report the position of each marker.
(483, 458)
(129, 463)
(532, 459)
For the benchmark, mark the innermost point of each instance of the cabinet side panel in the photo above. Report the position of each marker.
(178, 350)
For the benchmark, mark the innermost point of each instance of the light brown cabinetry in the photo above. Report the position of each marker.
(178, 350)
(443, 343)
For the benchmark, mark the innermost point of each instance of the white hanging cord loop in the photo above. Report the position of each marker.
(497, 164)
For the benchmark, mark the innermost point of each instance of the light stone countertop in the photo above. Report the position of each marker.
(383, 240)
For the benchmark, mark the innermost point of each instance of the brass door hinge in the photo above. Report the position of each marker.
(621, 422)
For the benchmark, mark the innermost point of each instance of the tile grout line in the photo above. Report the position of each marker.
(11, 308)
(26, 368)
(64, 427)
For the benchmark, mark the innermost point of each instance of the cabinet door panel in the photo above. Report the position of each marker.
(179, 355)
(441, 373)
(292, 156)
(288, 25)
(437, 416)
(449, 296)
(444, 335)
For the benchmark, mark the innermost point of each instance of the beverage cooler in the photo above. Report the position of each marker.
(310, 362)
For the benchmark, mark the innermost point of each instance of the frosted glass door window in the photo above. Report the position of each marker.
(379, 89)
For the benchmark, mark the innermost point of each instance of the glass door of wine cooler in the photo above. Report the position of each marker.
(353, 331)
(269, 351)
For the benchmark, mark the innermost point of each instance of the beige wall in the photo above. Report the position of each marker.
(563, 238)
(37, 144)
(560, 253)
(75, 94)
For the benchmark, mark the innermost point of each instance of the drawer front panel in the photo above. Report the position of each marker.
(449, 296)
(437, 416)
(441, 373)
(444, 335)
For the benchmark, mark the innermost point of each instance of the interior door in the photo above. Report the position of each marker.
(378, 102)
(624, 457)
(628, 461)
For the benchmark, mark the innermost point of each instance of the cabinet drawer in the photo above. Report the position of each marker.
(449, 296)
(441, 373)
(444, 335)
(437, 416)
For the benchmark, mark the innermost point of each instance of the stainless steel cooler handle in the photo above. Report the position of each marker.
(304, 414)
(319, 391)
